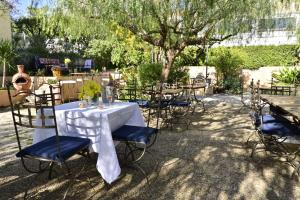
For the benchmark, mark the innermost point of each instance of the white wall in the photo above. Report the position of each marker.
(264, 74)
(264, 38)
(5, 25)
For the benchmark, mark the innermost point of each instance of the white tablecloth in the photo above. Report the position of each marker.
(97, 125)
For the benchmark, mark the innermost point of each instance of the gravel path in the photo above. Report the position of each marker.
(208, 161)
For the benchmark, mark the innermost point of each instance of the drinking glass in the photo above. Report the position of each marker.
(109, 97)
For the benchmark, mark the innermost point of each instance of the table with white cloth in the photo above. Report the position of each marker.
(290, 104)
(97, 124)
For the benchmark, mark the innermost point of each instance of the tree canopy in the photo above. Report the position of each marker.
(170, 25)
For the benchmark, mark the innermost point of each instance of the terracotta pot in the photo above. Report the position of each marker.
(21, 80)
(56, 71)
(20, 69)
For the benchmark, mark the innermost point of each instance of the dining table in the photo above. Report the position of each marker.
(290, 104)
(96, 123)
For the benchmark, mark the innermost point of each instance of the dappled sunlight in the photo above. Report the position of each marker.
(7, 179)
(208, 161)
(205, 154)
(252, 187)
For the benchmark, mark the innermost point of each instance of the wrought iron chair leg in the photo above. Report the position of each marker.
(40, 169)
(50, 170)
(187, 124)
(248, 140)
(88, 154)
(30, 186)
(131, 151)
(136, 165)
(296, 170)
(76, 177)
(40, 165)
(253, 149)
(67, 168)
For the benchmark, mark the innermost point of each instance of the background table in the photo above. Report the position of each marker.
(97, 125)
(290, 104)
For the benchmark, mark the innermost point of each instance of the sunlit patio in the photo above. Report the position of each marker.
(129, 99)
(209, 161)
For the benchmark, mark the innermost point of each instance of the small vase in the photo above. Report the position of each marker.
(95, 100)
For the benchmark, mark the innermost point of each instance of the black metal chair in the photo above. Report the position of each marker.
(127, 92)
(181, 109)
(277, 134)
(139, 139)
(39, 115)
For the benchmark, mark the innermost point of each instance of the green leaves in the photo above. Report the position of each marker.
(90, 88)
(170, 25)
(227, 63)
(261, 56)
(121, 49)
(7, 52)
(149, 73)
(288, 75)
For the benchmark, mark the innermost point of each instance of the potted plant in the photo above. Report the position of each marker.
(7, 54)
(56, 71)
(67, 61)
(52, 81)
(90, 91)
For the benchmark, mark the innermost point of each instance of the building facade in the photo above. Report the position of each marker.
(280, 29)
(5, 21)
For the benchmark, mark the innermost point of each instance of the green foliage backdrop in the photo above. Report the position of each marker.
(261, 56)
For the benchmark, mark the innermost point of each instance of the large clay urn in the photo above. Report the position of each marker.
(21, 80)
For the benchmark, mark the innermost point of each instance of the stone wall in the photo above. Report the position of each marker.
(5, 25)
(264, 74)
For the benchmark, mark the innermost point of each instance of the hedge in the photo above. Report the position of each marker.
(260, 56)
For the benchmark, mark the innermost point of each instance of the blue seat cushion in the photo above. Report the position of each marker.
(280, 129)
(134, 134)
(164, 103)
(141, 103)
(48, 148)
(181, 103)
(267, 118)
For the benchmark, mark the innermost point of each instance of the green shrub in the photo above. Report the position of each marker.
(149, 74)
(191, 56)
(90, 88)
(178, 74)
(52, 81)
(129, 74)
(227, 63)
(288, 76)
(232, 85)
(260, 56)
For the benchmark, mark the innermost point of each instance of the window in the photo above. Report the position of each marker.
(277, 24)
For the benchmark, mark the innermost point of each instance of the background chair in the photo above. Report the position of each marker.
(181, 109)
(277, 134)
(138, 139)
(40, 115)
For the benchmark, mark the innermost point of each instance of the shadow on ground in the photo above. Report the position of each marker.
(209, 161)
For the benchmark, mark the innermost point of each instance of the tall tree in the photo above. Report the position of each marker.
(6, 55)
(170, 25)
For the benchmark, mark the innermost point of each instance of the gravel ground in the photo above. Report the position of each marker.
(208, 161)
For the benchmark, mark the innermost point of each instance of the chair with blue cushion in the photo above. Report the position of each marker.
(277, 134)
(181, 108)
(138, 139)
(40, 114)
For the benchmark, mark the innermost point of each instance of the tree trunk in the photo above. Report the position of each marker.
(4, 73)
(170, 58)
